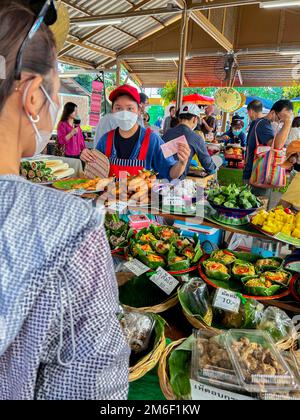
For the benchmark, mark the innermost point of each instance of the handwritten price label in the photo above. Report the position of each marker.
(227, 301)
(164, 281)
(136, 267)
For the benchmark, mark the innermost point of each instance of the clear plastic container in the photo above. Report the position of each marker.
(211, 363)
(258, 363)
(293, 395)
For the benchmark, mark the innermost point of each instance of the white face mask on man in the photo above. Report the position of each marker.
(125, 120)
(42, 138)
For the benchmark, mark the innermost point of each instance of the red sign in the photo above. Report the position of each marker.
(96, 102)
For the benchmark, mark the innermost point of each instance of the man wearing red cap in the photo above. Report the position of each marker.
(131, 148)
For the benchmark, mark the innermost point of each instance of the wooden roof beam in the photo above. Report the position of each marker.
(97, 50)
(208, 27)
(77, 62)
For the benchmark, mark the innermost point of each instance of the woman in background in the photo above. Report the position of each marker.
(295, 131)
(70, 135)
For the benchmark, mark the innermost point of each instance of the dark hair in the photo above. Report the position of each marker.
(39, 55)
(281, 105)
(147, 116)
(256, 106)
(187, 117)
(123, 94)
(171, 109)
(296, 122)
(143, 97)
(69, 108)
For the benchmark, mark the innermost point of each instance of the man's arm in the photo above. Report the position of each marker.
(203, 155)
(283, 134)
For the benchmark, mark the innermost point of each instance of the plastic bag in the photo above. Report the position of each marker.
(197, 295)
(138, 329)
(277, 323)
(249, 315)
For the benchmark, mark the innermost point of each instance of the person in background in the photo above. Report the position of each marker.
(144, 103)
(70, 135)
(168, 120)
(132, 148)
(255, 110)
(295, 131)
(281, 112)
(146, 120)
(60, 337)
(188, 120)
(209, 122)
(235, 134)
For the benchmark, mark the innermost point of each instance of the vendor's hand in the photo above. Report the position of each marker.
(87, 156)
(183, 153)
(225, 138)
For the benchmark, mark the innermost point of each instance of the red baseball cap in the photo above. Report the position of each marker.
(125, 90)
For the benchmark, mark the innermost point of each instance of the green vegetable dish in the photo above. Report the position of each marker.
(162, 246)
(233, 197)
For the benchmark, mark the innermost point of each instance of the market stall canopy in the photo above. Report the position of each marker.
(198, 99)
(144, 37)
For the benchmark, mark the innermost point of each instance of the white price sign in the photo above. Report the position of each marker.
(169, 201)
(227, 301)
(136, 267)
(202, 392)
(164, 281)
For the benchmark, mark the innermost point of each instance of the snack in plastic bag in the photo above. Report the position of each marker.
(249, 315)
(138, 329)
(197, 298)
(277, 324)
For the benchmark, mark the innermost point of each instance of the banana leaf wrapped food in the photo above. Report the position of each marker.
(153, 261)
(165, 233)
(242, 269)
(280, 276)
(114, 224)
(224, 256)
(177, 262)
(161, 247)
(267, 264)
(259, 286)
(216, 270)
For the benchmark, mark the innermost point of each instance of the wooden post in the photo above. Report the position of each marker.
(182, 57)
(118, 81)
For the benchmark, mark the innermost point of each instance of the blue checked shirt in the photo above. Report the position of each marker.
(60, 338)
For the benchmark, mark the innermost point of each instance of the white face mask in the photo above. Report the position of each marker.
(125, 120)
(42, 138)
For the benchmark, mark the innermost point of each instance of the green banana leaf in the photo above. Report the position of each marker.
(141, 292)
(188, 252)
(239, 263)
(198, 253)
(141, 233)
(284, 284)
(259, 290)
(179, 369)
(182, 243)
(217, 275)
(178, 266)
(247, 256)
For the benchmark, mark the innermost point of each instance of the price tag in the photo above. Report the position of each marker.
(202, 392)
(136, 267)
(164, 281)
(169, 201)
(227, 301)
(118, 206)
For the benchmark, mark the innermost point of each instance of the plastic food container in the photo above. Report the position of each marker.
(211, 363)
(294, 395)
(258, 364)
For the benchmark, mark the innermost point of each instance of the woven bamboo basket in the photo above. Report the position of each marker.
(157, 309)
(164, 380)
(147, 363)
